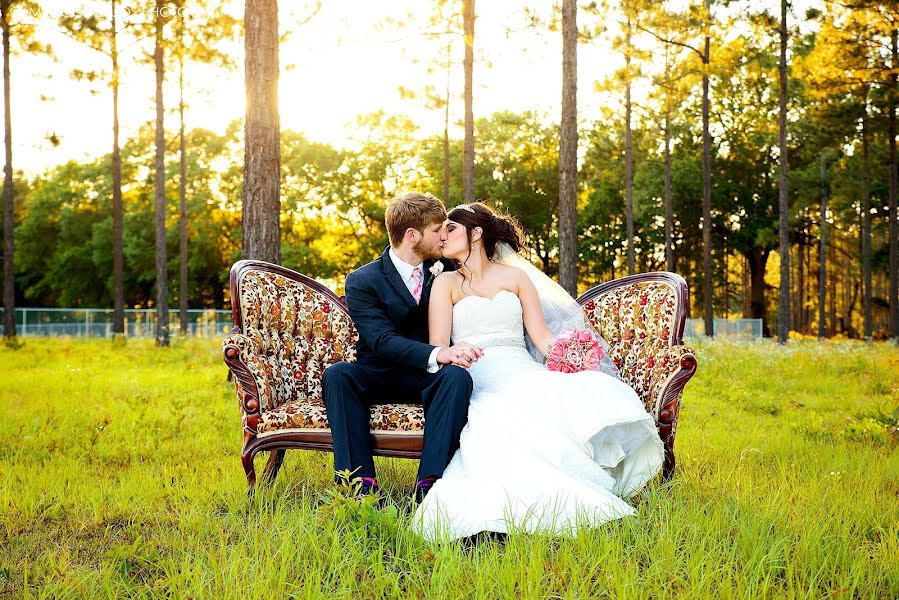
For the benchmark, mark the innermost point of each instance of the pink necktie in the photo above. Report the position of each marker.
(417, 276)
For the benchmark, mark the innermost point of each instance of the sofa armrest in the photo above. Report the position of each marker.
(669, 372)
(254, 390)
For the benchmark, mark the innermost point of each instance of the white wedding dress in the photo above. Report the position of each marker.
(542, 451)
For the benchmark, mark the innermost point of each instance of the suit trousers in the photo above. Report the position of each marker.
(349, 389)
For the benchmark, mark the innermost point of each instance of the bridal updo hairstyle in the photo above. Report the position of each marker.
(496, 228)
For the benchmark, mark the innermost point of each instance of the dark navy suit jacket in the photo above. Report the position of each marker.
(393, 329)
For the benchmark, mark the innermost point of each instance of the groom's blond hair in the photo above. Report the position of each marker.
(412, 209)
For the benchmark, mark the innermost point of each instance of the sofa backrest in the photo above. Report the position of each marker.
(639, 316)
(298, 326)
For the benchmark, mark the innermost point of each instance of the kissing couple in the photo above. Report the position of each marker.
(452, 318)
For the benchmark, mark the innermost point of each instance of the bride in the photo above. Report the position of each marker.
(542, 451)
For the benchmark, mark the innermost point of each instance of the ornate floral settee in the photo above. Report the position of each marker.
(288, 328)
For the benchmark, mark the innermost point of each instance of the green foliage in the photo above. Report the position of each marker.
(518, 171)
(333, 199)
(65, 236)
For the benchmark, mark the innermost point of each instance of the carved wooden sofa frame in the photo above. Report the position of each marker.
(288, 328)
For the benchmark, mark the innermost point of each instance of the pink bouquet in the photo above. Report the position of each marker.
(574, 350)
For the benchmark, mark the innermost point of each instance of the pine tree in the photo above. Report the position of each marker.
(568, 152)
(17, 24)
(262, 153)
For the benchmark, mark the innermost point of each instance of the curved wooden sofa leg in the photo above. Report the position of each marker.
(275, 460)
(668, 465)
(247, 459)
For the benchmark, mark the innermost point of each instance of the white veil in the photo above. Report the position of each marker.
(560, 310)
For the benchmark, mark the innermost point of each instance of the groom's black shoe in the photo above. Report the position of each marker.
(370, 487)
(423, 487)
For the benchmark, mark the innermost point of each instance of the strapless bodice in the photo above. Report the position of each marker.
(477, 319)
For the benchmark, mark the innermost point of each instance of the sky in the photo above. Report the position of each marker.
(348, 59)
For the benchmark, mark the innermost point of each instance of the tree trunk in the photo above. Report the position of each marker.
(182, 196)
(707, 188)
(628, 157)
(833, 286)
(446, 155)
(866, 226)
(746, 289)
(894, 184)
(262, 152)
(807, 290)
(669, 215)
(468, 149)
(568, 152)
(783, 307)
(758, 258)
(218, 295)
(726, 264)
(851, 286)
(822, 260)
(162, 287)
(118, 255)
(9, 213)
(799, 300)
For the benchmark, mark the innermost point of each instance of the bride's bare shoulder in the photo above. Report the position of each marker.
(512, 278)
(447, 279)
(510, 272)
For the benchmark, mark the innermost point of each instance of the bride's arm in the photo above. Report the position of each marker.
(440, 311)
(534, 321)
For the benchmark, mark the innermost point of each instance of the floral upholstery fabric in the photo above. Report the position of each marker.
(311, 414)
(638, 322)
(250, 357)
(295, 332)
(661, 367)
(292, 332)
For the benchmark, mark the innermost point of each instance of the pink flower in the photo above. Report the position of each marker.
(574, 350)
(557, 352)
(592, 358)
(582, 335)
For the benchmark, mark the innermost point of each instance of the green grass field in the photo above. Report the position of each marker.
(120, 477)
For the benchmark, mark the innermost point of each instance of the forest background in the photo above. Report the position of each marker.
(640, 169)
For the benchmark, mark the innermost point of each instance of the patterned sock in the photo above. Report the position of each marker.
(426, 482)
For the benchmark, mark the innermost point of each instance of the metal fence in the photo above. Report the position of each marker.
(97, 322)
(748, 329)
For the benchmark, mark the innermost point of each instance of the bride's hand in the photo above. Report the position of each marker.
(461, 354)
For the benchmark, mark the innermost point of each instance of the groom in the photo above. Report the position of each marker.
(388, 302)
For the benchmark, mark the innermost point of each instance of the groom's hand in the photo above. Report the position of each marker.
(462, 354)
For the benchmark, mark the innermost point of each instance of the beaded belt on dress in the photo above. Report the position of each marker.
(501, 341)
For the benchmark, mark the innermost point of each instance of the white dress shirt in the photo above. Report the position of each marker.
(405, 271)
